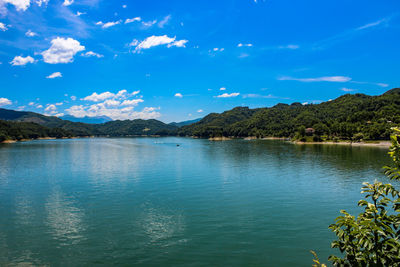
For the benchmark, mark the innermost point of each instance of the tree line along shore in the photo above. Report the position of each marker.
(348, 119)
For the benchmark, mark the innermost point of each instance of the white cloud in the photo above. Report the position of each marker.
(148, 24)
(5, 101)
(241, 45)
(122, 94)
(21, 61)
(153, 41)
(180, 43)
(68, 2)
(40, 2)
(164, 21)
(200, 110)
(222, 89)
(39, 106)
(98, 97)
(132, 20)
(31, 103)
(30, 33)
(318, 79)
(133, 102)
(92, 54)
(178, 95)
(62, 50)
(115, 112)
(20, 5)
(59, 104)
(54, 75)
(108, 24)
(3, 27)
(124, 6)
(347, 89)
(80, 13)
(50, 108)
(226, 95)
(73, 98)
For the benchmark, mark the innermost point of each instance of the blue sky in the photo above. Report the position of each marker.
(180, 60)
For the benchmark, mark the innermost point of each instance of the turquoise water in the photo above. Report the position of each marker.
(149, 202)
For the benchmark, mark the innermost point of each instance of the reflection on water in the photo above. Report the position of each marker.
(64, 220)
(146, 201)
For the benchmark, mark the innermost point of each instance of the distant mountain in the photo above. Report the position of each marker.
(111, 128)
(183, 123)
(351, 117)
(91, 120)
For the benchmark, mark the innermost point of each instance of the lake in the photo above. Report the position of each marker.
(149, 202)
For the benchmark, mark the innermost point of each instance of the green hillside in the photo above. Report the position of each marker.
(355, 116)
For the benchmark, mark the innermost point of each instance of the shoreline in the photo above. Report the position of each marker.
(382, 144)
(372, 143)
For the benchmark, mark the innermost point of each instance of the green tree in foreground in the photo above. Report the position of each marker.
(372, 238)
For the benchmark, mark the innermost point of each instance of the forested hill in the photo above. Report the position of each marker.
(21, 125)
(355, 116)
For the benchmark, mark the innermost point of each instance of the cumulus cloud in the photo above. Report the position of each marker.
(132, 20)
(178, 95)
(73, 98)
(62, 50)
(21, 61)
(122, 94)
(80, 13)
(5, 101)
(154, 40)
(114, 110)
(20, 5)
(108, 24)
(200, 110)
(318, 79)
(92, 54)
(3, 27)
(226, 95)
(222, 89)
(258, 96)
(68, 2)
(30, 33)
(54, 75)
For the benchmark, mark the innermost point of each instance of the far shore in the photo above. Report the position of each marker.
(372, 143)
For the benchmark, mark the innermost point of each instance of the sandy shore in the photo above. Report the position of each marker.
(383, 144)
(221, 138)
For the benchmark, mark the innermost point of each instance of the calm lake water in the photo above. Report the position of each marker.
(149, 202)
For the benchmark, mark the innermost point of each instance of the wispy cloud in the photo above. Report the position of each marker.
(258, 96)
(164, 21)
(373, 24)
(317, 79)
(344, 89)
(348, 34)
(226, 95)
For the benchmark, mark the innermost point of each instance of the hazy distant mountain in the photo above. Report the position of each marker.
(91, 120)
(183, 123)
(109, 128)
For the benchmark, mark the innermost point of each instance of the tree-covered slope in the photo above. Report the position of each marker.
(112, 128)
(10, 130)
(349, 116)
